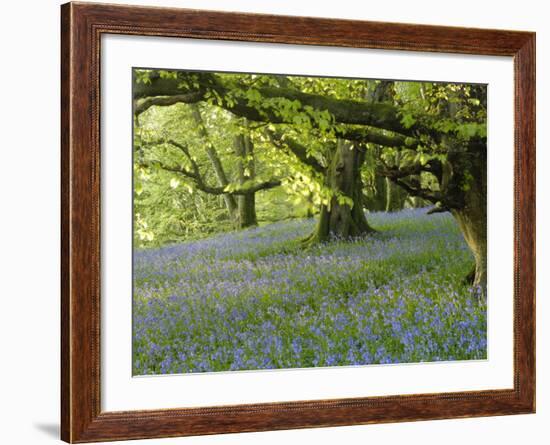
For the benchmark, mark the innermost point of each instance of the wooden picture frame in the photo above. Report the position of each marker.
(82, 25)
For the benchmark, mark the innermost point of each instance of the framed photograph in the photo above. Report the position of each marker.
(274, 222)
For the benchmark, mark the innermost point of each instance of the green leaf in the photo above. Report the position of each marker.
(408, 120)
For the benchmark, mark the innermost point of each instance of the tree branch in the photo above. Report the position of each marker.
(397, 175)
(403, 172)
(281, 141)
(378, 114)
(376, 136)
(265, 185)
(414, 191)
(165, 101)
(195, 174)
(199, 182)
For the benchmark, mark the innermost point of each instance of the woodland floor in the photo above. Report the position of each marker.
(256, 300)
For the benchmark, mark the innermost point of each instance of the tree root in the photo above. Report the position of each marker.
(470, 277)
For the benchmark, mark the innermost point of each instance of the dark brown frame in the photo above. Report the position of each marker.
(82, 25)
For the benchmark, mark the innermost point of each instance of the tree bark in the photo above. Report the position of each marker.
(247, 211)
(473, 224)
(472, 216)
(244, 150)
(389, 195)
(374, 197)
(343, 177)
(230, 201)
(395, 196)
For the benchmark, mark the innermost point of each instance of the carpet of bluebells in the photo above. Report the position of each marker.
(256, 299)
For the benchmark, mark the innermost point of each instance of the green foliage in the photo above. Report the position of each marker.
(408, 120)
(142, 76)
(169, 206)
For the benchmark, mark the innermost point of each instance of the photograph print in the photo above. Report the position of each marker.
(285, 221)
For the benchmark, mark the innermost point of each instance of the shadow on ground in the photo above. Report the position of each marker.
(49, 429)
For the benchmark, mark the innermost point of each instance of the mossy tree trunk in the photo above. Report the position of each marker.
(343, 177)
(473, 224)
(246, 203)
(472, 215)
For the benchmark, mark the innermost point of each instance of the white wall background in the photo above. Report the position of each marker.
(29, 222)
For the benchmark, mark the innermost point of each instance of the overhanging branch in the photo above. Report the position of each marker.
(281, 141)
(165, 101)
(381, 115)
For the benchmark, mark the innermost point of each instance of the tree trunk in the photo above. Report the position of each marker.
(247, 210)
(230, 201)
(395, 197)
(472, 218)
(244, 150)
(465, 180)
(473, 224)
(343, 177)
(474, 229)
(374, 198)
(389, 194)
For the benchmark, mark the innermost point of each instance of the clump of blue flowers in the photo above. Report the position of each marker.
(256, 300)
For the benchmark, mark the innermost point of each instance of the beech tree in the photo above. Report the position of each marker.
(429, 139)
